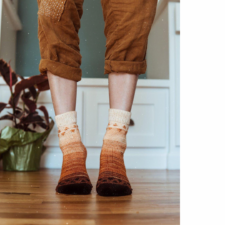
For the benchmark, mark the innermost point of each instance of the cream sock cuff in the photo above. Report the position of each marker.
(119, 116)
(66, 118)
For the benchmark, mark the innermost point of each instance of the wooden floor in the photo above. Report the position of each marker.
(30, 198)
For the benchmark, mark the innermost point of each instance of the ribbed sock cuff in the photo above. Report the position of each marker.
(66, 118)
(119, 116)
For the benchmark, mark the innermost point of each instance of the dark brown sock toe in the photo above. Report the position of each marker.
(107, 189)
(113, 187)
(75, 189)
(75, 186)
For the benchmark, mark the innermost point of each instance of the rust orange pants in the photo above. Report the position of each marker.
(127, 26)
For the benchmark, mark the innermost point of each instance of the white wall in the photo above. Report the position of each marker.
(9, 25)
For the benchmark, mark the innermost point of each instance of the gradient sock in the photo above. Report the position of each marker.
(74, 178)
(112, 180)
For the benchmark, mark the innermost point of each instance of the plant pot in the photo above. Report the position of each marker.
(22, 150)
(23, 158)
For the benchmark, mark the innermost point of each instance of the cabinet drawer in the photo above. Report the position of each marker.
(149, 113)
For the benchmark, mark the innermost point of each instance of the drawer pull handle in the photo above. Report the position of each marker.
(131, 122)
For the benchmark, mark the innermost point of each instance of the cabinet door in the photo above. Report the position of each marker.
(149, 113)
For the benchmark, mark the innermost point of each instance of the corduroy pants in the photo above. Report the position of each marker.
(127, 26)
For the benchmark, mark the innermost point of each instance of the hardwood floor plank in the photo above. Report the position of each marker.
(30, 198)
(46, 222)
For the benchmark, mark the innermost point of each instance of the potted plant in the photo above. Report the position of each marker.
(21, 145)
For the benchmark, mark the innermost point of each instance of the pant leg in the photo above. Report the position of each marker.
(58, 26)
(127, 26)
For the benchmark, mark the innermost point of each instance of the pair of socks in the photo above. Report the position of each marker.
(112, 180)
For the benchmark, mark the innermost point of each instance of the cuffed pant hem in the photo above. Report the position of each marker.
(125, 67)
(60, 69)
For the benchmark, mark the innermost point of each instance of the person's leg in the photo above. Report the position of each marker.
(59, 23)
(65, 99)
(127, 26)
(112, 176)
(122, 88)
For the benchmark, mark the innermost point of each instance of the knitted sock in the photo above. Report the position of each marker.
(112, 180)
(74, 178)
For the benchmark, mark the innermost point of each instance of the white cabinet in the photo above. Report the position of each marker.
(148, 139)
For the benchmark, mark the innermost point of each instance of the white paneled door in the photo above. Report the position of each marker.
(149, 114)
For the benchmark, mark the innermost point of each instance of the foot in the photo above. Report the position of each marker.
(112, 179)
(74, 178)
